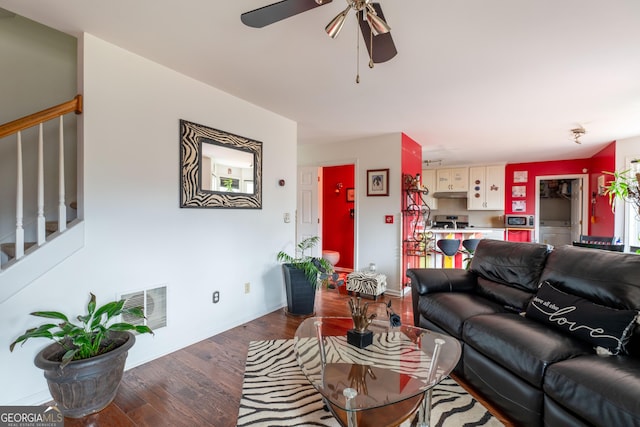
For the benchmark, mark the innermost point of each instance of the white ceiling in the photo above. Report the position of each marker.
(474, 81)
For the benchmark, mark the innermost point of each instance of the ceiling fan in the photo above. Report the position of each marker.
(373, 26)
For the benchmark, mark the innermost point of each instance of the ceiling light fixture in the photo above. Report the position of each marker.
(577, 133)
(432, 162)
(365, 9)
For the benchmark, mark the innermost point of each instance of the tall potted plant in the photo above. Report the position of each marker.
(84, 366)
(302, 273)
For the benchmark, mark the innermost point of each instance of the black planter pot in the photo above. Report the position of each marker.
(85, 386)
(301, 295)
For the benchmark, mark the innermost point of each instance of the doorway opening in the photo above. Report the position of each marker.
(561, 209)
(327, 199)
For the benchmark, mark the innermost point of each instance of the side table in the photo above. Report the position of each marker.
(367, 283)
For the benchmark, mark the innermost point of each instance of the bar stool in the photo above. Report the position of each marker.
(470, 246)
(449, 247)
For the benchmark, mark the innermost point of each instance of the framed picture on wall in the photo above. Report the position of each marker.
(377, 182)
(351, 195)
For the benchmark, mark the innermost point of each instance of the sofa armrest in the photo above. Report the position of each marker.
(430, 280)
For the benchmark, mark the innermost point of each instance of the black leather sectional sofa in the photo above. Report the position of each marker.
(549, 335)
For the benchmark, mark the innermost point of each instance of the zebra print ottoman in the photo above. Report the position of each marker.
(370, 284)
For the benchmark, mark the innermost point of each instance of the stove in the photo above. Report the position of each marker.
(451, 221)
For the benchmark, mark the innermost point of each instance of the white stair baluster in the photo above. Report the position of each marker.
(62, 209)
(41, 219)
(19, 190)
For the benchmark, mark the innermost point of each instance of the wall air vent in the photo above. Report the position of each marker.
(154, 303)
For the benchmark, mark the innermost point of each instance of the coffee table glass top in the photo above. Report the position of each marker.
(395, 367)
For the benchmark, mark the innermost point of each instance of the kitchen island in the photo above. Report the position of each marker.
(435, 258)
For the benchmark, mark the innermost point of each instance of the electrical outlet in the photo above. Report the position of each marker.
(216, 297)
(247, 288)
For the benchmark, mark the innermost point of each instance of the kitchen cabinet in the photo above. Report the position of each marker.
(452, 179)
(486, 188)
(429, 182)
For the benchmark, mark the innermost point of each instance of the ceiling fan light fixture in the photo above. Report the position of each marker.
(577, 133)
(336, 24)
(377, 24)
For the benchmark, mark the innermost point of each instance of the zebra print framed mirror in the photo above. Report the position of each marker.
(219, 169)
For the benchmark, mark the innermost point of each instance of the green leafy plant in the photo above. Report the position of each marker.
(314, 268)
(89, 338)
(623, 186)
(228, 183)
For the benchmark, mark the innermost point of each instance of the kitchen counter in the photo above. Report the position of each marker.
(470, 230)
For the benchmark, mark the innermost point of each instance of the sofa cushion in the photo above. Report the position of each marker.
(600, 389)
(557, 415)
(596, 324)
(515, 264)
(513, 299)
(450, 310)
(520, 402)
(607, 278)
(520, 345)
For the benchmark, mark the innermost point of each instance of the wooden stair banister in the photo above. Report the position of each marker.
(74, 105)
(17, 127)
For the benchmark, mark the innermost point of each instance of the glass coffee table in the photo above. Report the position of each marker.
(382, 384)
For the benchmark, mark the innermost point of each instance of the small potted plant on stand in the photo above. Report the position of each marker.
(84, 366)
(301, 276)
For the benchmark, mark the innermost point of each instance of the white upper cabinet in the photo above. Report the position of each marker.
(454, 179)
(429, 181)
(486, 188)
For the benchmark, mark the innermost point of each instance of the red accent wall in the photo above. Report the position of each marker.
(602, 219)
(535, 169)
(604, 160)
(337, 227)
(411, 156)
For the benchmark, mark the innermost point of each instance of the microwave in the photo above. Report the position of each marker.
(519, 221)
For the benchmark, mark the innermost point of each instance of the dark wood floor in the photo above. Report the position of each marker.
(201, 385)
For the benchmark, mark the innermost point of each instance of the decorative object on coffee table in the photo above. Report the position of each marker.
(360, 336)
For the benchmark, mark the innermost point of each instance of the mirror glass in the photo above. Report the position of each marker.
(219, 169)
(226, 169)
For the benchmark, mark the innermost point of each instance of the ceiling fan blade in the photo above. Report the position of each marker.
(383, 47)
(275, 12)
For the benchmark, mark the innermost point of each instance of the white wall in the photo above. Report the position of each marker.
(626, 149)
(376, 241)
(137, 236)
(38, 69)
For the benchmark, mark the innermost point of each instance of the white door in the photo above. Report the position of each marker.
(577, 220)
(307, 216)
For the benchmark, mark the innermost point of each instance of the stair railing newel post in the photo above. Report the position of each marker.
(19, 208)
(62, 209)
(41, 219)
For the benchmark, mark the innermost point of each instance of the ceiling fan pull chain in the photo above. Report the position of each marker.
(357, 53)
(371, 48)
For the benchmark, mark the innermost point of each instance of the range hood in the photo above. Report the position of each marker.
(450, 195)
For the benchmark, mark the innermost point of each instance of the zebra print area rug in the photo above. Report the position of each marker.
(275, 393)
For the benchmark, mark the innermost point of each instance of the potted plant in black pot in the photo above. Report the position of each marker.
(84, 366)
(302, 273)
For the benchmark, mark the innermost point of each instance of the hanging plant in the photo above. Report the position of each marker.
(624, 186)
